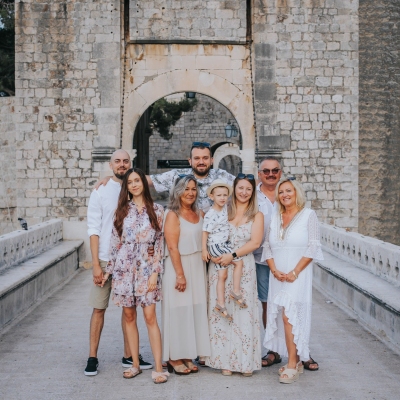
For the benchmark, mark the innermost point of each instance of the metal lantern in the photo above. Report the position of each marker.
(235, 130)
(229, 130)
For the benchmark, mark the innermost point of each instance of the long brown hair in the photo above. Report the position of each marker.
(252, 208)
(125, 197)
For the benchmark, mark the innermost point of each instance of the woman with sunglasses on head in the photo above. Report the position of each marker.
(291, 245)
(136, 274)
(235, 345)
(184, 306)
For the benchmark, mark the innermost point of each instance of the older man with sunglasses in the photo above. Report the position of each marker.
(269, 174)
(200, 161)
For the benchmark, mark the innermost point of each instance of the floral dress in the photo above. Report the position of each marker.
(129, 261)
(287, 246)
(236, 345)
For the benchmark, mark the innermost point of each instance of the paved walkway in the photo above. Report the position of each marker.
(43, 357)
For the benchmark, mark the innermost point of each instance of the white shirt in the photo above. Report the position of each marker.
(100, 216)
(268, 209)
(216, 224)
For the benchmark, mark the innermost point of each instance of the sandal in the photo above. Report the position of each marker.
(179, 369)
(299, 366)
(131, 372)
(247, 374)
(226, 372)
(223, 312)
(156, 375)
(277, 359)
(291, 373)
(306, 364)
(189, 364)
(236, 298)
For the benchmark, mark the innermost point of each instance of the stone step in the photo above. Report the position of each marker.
(22, 285)
(374, 301)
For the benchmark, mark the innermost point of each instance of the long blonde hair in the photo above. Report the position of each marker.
(252, 208)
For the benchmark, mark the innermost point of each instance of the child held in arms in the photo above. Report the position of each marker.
(216, 242)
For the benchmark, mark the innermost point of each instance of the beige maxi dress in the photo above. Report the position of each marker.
(184, 314)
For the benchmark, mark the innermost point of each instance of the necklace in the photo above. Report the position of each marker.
(282, 230)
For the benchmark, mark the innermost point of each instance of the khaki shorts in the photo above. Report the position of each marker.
(100, 296)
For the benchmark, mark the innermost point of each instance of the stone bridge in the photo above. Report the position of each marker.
(44, 322)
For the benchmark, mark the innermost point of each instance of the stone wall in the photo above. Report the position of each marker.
(379, 182)
(68, 61)
(306, 97)
(205, 123)
(187, 20)
(8, 199)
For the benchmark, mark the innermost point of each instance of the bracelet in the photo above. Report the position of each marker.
(295, 275)
(180, 276)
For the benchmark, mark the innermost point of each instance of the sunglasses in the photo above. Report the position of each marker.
(201, 144)
(245, 176)
(267, 171)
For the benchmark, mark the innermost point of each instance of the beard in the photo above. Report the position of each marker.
(120, 175)
(201, 173)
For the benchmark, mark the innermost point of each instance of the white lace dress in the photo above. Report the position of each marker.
(300, 239)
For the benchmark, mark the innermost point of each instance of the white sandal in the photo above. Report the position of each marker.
(299, 366)
(131, 372)
(292, 375)
(155, 375)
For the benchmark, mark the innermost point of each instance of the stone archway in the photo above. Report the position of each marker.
(228, 149)
(143, 89)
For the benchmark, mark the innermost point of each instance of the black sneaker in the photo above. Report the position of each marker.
(143, 364)
(127, 362)
(91, 367)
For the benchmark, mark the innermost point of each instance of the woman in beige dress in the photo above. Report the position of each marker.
(184, 305)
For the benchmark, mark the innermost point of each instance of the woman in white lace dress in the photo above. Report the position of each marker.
(290, 248)
(236, 345)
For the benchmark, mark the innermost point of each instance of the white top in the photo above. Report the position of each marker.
(301, 238)
(268, 209)
(216, 224)
(100, 216)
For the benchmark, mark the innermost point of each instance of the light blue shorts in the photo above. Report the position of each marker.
(262, 282)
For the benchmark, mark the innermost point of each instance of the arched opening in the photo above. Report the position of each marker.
(232, 164)
(208, 121)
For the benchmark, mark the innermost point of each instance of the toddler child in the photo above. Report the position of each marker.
(216, 242)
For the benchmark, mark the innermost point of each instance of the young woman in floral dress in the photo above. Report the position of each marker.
(136, 274)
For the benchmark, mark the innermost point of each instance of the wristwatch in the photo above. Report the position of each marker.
(234, 255)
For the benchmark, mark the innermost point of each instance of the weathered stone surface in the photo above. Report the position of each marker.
(187, 20)
(379, 119)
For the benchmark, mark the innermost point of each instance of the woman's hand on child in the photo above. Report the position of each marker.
(225, 259)
(152, 284)
(205, 255)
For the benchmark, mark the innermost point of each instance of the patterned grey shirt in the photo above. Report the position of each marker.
(164, 182)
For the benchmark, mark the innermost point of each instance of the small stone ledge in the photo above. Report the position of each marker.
(21, 286)
(374, 301)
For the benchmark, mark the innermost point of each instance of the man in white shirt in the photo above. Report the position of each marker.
(100, 218)
(269, 173)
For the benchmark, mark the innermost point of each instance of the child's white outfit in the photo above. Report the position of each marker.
(217, 225)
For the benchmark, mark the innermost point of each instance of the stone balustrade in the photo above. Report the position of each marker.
(19, 246)
(378, 257)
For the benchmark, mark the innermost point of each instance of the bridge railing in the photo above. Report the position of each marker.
(18, 246)
(374, 255)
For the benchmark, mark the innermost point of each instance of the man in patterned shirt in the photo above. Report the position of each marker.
(200, 161)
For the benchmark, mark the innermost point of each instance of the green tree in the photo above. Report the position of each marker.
(165, 114)
(7, 47)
